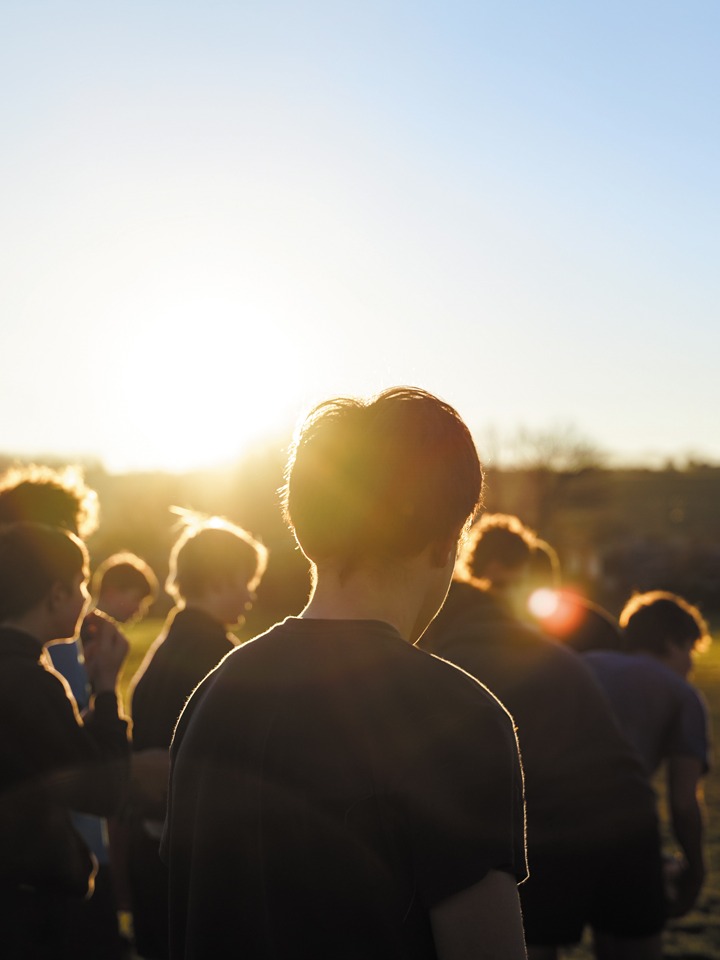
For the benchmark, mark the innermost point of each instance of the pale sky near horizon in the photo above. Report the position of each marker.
(214, 214)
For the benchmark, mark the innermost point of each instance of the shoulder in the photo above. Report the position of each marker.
(691, 724)
(453, 681)
(36, 693)
(465, 604)
(692, 698)
(456, 709)
(648, 671)
(354, 662)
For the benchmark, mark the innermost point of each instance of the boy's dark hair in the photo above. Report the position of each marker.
(34, 557)
(380, 478)
(125, 571)
(211, 550)
(496, 537)
(58, 498)
(657, 620)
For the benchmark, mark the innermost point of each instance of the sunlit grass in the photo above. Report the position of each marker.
(140, 635)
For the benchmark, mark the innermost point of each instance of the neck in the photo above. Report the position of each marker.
(358, 601)
(399, 593)
(677, 662)
(203, 606)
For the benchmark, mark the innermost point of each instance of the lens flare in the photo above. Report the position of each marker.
(543, 603)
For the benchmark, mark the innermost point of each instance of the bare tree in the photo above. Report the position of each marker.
(558, 449)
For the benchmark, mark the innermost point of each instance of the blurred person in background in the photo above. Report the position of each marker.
(61, 498)
(53, 760)
(592, 831)
(215, 568)
(124, 587)
(665, 718)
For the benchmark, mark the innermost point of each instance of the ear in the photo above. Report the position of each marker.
(57, 595)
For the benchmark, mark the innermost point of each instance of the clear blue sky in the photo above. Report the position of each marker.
(213, 214)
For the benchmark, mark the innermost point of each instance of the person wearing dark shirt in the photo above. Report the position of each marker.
(61, 498)
(51, 759)
(123, 587)
(336, 792)
(215, 568)
(593, 844)
(665, 717)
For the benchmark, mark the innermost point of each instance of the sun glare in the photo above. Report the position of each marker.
(206, 382)
(543, 603)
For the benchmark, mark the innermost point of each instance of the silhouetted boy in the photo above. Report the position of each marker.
(61, 498)
(123, 587)
(593, 844)
(50, 759)
(336, 792)
(215, 568)
(664, 716)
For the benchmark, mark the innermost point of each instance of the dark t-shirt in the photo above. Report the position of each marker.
(659, 711)
(331, 784)
(44, 744)
(584, 784)
(50, 760)
(191, 644)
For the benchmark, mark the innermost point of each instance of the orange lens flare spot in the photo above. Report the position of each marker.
(560, 612)
(543, 603)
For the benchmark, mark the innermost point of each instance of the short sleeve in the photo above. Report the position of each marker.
(690, 735)
(462, 805)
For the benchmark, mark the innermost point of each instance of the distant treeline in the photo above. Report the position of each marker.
(623, 530)
(615, 530)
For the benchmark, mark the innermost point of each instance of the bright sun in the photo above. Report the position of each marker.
(203, 381)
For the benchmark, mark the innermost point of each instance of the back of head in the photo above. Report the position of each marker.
(39, 494)
(658, 620)
(496, 538)
(212, 551)
(125, 571)
(380, 479)
(33, 558)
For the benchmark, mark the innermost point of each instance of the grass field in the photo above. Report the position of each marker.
(696, 936)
